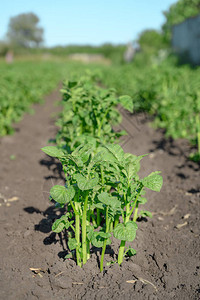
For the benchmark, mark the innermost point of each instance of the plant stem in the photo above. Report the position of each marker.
(98, 217)
(98, 210)
(105, 241)
(84, 238)
(121, 252)
(116, 222)
(94, 220)
(122, 245)
(77, 236)
(135, 212)
(88, 250)
(111, 226)
(127, 212)
(135, 203)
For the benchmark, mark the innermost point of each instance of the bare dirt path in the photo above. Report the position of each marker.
(167, 262)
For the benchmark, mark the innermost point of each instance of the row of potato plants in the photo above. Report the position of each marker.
(169, 92)
(103, 190)
(22, 84)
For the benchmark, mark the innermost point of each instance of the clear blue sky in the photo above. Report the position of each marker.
(88, 21)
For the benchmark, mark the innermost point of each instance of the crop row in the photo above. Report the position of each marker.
(103, 191)
(24, 83)
(168, 92)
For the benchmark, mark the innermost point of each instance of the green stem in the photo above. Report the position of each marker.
(111, 226)
(93, 220)
(122, 245)
(135, 213)
(102, 176)
(77, 236)
(98, 217)
(72, 227)
(116, 222)
(98, 210)
(132, 209)
(88, 243)
(105, 241)
(127, 212)
(121, 252)
(88, 250)
(84, 237)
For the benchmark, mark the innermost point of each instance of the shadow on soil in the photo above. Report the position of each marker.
(45, 225)
(53, 165)
(177, 148)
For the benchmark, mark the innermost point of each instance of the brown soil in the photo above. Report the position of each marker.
(167, 263)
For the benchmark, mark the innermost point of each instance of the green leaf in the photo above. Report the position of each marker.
(145, 213)
(153, 181)
(142, 200)
(99, 205)
(61, 194)
(72, 244)
(130, 252)
(116, 151)
(111, 201)
(72, 84)
(105, 235)
(53, 151)
(86, 184)
(125, 232)
(68, 256)
(58, 226)
(90, 231)
(99, 237)
(61, 223)
(132, 164)
(127, 102)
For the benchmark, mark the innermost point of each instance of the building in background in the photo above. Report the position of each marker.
(186, 40)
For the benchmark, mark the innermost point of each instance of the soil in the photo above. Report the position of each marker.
(167, 263)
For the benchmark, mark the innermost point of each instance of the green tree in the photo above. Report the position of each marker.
(179, 12)
(151, 41)
(23, 31)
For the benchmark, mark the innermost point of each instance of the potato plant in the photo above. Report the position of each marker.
(168, 92)
(103, 190)
(22, 84)
(89, 113)
(107, 180)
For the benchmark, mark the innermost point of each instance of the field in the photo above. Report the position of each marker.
(160, 114)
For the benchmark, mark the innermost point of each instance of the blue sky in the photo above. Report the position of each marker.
(88, 21)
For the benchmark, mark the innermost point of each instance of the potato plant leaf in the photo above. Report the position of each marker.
(127, 102)
(98, 239)
(61, 223)
(116, 151)
(106, 199)
(153, 181)
(142, 200)
(53, 151)
(145, 213)
(125, 232)
(130, 252)
(58, 226)
(72, 243)
(61, 194)
(86, 184)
